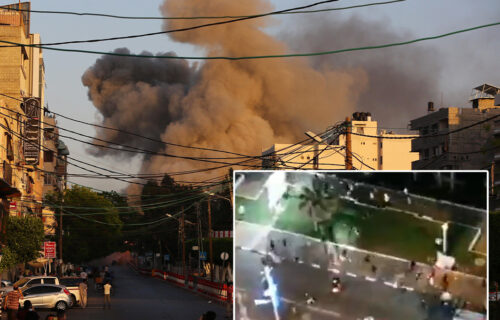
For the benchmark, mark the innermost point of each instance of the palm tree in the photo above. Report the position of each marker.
(320, 202)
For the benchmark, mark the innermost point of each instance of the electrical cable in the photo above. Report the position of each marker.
(430, 135)
(269, 56)
(190, 17)
(187, 28)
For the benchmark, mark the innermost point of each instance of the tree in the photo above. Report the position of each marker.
(24, 237)
(91, 224)
(320, 201)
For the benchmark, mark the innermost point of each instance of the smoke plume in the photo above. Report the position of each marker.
(400, 79)
(245, 106)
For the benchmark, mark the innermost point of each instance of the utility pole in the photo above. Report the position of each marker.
(210, 241)
(183, 244)
(61, 232)
(348, 145)
(198, 225)
(492, 177)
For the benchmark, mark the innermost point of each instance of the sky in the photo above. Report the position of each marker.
(466, 60)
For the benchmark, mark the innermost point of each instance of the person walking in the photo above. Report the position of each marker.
(107, 295)
(83, 293)
(12, 302)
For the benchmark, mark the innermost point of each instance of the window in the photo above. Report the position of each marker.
(49, 280)
(35, 281)
(48, 156)
(48, 178)
(10, 150)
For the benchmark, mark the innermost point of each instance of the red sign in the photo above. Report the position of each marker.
(49, 249)
(13, 205)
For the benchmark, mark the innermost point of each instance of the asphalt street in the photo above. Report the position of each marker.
(142, 297)
(360, 298)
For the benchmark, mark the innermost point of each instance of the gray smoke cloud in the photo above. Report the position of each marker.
(401, 80)
(136, 95)
(242, 106)
(246, 106)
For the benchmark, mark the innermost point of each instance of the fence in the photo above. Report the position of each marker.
(219, 291)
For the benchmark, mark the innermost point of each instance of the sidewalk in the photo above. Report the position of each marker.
(392, 271)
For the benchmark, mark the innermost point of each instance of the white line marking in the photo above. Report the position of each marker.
(350, 274)
(334, 270)
(370, 279)
(391, 284)
(316, 309)
(315, 265)
(408, 288)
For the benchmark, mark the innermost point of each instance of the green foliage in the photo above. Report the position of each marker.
(24, 237)
(87, 237)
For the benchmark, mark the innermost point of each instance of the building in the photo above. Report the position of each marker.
(372, 149)
(22, 85)
(54, 172)
(466, 149)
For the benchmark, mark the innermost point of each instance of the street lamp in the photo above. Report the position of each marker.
(445, 229)
(210, 246)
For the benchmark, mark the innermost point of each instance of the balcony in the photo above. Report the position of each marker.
(6, 189)
(7, 172)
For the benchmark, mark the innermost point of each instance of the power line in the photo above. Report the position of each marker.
(272, 56)
(430, 135)
(93, 14)
(188, 28)
(127, 132)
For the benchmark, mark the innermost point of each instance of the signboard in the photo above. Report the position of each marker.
(222, 234)
(49, 249)
(224, 256)
(32, 131)
(13, 205)
(195, 248)
(203, 255)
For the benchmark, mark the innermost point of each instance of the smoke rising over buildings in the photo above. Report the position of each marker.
(245, 106)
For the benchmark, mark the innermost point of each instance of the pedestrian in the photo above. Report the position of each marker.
(27, 312)
(107, 295)
(374, 269)
(12, 302)
(209, 315)
(61, 315)
(413, 264)
(83, 293)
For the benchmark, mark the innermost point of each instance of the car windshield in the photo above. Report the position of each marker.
(21, 282)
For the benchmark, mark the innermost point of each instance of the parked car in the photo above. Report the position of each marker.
(47, 296)
(72, 284)
(5, 283)
(29, 281)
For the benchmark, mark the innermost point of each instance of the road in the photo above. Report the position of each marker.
(142, 297)
(360, 298)
(311, 262)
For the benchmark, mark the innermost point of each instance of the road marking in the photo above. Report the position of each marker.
(316, 309)
(350, 274)
(370, 279)
(337, 271)
(391, 284)
(315, 265)
(408, 288)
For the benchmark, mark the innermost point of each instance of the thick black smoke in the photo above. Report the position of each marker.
(137, 95)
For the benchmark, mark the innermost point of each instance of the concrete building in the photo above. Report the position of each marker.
(371, 150)
(22, 83)
(467, 149)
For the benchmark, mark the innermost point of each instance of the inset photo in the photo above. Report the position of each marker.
(361, 245)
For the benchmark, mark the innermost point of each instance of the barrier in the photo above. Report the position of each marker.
(214, 290)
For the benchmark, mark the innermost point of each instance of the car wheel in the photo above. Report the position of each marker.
(61, 305)
(73, 300)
